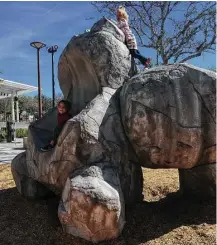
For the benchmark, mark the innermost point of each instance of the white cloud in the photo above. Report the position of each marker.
(37, 20)
(12, 42)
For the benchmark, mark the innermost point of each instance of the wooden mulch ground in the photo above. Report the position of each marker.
(163, 218)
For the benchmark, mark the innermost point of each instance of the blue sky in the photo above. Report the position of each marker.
(52, 23)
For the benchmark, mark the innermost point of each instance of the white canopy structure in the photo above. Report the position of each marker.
(12, 89)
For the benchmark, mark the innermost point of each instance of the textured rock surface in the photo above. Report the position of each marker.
(92, 60)
(199, 181)
(102, 139)
(27, 186)
(53, 167)
(112, 136)
(169, 116)
(92, 204)
(94, 135)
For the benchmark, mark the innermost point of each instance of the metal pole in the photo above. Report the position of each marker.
(12, 108)
(17, 110)
(52, 50)
(39, 85)
(53, 82)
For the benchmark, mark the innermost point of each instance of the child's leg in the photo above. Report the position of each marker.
(136, 54)
(53, 142)
(47, 148)
(57, 131)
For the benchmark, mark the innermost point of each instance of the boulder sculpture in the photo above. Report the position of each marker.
(163, 117)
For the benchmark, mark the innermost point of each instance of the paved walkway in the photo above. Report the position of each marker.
(9, 150)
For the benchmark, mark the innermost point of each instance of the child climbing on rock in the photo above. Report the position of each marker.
(63, 116)
(122, 18)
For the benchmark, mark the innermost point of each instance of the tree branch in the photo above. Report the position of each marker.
(190, 57)
(157, 25)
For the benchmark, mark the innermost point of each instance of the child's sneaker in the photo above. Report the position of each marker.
(47, 148)
(147, 63)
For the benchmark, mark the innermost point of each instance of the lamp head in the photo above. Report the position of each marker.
(52, 49)
(37, 45)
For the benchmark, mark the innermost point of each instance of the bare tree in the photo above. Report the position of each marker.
(29, 104)
(178, 31)
(58, 97)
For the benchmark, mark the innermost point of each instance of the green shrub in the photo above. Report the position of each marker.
(2, 134)
(21, 132)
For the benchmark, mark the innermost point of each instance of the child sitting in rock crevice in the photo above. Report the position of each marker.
(63, 116)
(122, 18)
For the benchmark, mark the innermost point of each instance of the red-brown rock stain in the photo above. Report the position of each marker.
(94, 220)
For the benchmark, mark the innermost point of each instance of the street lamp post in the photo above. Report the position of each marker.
(38, 46)
(52, 50)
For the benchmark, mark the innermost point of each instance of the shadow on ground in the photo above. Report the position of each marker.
(34, 223)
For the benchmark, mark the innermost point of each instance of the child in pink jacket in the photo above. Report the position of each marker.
(122, 19)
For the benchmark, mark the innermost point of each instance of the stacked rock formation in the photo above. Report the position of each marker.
(160, 118)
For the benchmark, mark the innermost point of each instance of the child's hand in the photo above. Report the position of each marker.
(52, 142)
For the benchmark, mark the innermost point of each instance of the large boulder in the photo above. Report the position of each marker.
(25, 184)
(90, 62)
(199, 181)
(160, 118)
(168, 114)
(95, 135)
(93, 60)
(91, 68)
(92, 205)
